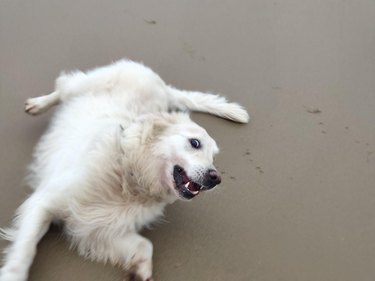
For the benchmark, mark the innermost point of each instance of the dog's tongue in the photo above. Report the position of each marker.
(190, 185)
(185, 178)
(193, 187)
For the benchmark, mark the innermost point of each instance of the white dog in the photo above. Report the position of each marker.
(118, 150)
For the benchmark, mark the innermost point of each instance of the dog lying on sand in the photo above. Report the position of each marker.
(120, 147)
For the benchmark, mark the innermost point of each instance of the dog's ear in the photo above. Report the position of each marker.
(156, 124)
(159, 125)
(149, 127)
(153, 128)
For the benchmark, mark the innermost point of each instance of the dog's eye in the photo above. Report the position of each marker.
(195, 143)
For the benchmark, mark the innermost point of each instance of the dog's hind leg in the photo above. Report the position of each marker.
(35, 106)
(210, 103)
(72, 84)
(66, 85)
(31, 223)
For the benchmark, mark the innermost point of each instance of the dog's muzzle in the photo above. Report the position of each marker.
(187, 188)
(211, 179)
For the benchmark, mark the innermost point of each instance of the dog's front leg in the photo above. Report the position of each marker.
(136, 253)
(31, 224)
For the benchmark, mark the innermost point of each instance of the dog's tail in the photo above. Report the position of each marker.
(210, 103)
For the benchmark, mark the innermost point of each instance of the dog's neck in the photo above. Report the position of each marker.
(140, 181)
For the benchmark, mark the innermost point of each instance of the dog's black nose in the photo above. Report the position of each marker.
(212, 178)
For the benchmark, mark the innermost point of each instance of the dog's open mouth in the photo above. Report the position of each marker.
(184, 185)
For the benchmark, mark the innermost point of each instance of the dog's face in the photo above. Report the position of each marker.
(188, 153)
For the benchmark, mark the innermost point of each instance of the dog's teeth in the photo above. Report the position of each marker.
(187, 185)
(194, 192)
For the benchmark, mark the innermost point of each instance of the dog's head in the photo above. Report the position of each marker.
(167, 156)
(187, 154)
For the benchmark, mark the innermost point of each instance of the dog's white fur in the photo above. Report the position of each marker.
(105, 165)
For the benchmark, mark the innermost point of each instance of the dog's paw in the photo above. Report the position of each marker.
(237, 113)
(11, 274)
(136, 277)
(35, 106)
